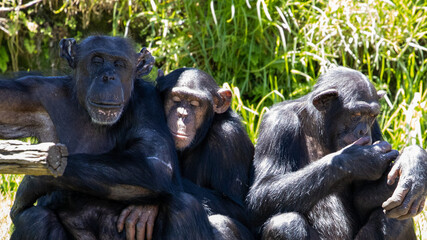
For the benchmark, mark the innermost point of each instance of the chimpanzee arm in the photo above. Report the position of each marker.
(141, 174)
(21, 111)
(284, 181)
(145, 170)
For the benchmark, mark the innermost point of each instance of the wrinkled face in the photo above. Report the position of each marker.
(355, 122)
(186, 110)
(104, 84)
(349, 105)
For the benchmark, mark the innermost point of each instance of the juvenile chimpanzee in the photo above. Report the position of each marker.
(214, 151)
(121, 151)
(317, 176)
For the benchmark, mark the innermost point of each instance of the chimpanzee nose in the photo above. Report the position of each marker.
(362, 130)
(108, 77)
(182, 112)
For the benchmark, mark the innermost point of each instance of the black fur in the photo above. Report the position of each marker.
(305, 186)
(132, 160)
(217, 166)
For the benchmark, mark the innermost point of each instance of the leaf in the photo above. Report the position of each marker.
(29, 46)
(4, 59)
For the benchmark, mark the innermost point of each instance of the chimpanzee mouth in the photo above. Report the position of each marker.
(108, 105)
(104, 113)
(180, 135)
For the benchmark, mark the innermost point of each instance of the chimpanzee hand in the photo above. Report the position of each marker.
(143, 217)
(367, 162)
(411, 191)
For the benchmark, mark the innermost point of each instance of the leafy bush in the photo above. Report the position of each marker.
(266, 51)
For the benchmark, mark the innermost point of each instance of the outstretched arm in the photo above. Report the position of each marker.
(143, 173)
(21, 110)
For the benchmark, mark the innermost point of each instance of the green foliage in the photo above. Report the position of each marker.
(265, 51)
(9, 184)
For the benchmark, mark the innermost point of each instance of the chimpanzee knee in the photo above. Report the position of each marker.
(38, 223)
(288, 226)
(183, 218)
(227, 228)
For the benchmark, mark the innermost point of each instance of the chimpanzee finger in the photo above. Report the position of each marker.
(131, 221)
(415, 206)
(393, 174)
(390, 156)
(150, 226)
(383, 147)
(362, 141)
(122, 217)
(401, 210)
(412, 212)
(397, 198)
(140, 227)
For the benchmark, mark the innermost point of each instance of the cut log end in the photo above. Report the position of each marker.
(18, 157)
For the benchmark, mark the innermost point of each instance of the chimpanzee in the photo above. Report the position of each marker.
(121, 151)
(317, 175)
(214, 151)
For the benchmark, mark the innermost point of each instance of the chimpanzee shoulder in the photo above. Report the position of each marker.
(222, 148)
(281, 141)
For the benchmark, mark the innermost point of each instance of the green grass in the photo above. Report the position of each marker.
(265, 51)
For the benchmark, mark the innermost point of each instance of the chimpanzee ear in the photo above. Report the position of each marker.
(222, 103)
(381, 93)
(144, 62)
(68, 51)
(322, 100)
(160, 73)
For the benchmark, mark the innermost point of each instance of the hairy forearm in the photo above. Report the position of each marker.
(296, 191)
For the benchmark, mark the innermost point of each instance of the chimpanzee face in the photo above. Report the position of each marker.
(356, 122)
(108, 81)
(105, 68)
(349, 105)
(186, 110)
(191, 104)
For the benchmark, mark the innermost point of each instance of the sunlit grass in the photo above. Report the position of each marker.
(264, 51)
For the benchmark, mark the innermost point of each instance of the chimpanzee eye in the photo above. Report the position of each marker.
(195, 103)
(97, 60)
(356, 116)
(373, 117)
(176, 99)
(120, 63)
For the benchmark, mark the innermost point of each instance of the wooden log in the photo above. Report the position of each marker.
(17, 157)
